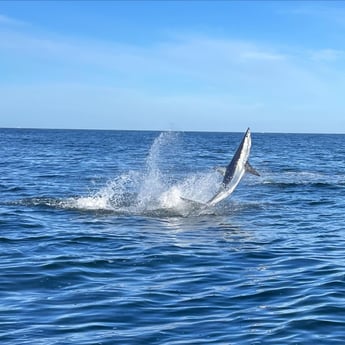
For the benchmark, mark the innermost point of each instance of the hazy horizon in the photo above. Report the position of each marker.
(163, 130)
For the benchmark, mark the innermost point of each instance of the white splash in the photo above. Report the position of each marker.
(153, 184)
(151, 190)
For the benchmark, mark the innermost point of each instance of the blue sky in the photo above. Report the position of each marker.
(276, 66)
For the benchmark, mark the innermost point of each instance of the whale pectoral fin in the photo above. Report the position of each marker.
(251, 170)
(221, 170)
(193, 202)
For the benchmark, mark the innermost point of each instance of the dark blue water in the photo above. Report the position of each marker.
(96, 246)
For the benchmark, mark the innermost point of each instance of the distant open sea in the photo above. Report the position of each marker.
(97, 246)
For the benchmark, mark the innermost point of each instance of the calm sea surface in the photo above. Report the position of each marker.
(97, 247)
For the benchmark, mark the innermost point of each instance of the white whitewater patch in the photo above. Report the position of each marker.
(89, 203)
(114, 196)
(151, 191)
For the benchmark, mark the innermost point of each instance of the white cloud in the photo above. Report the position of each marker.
(6, 20)
(328, 55)
(330, 12)
(200, 58)
(261, 55)
(229, 82)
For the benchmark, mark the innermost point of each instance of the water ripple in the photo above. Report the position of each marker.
(86, 261)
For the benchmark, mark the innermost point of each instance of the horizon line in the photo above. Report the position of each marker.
(163, 130)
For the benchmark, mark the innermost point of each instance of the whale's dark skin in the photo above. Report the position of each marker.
(235, 170)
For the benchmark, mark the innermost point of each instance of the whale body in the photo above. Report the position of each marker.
(233, 173)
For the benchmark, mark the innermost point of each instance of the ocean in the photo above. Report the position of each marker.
(97, 247)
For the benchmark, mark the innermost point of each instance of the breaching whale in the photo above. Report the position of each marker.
(234, 172)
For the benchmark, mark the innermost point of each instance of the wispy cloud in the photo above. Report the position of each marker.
(6, 20)
(328, 55)
(262, 55)
(330, 11)
(201, 61)
(190, 73)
